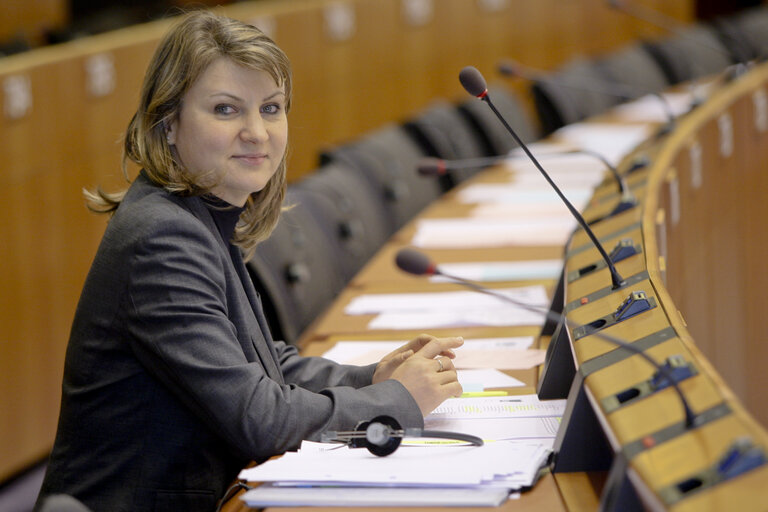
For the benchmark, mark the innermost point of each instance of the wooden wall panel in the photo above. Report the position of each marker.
(31, 18)
(716, 271)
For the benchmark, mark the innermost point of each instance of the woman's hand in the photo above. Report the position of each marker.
(391, 361)
(424, 367)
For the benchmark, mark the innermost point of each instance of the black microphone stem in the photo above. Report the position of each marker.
(690, 417)
(616, 279)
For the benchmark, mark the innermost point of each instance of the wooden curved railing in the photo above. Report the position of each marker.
(700, 231)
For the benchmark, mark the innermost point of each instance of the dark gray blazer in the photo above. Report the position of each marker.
(172, 382)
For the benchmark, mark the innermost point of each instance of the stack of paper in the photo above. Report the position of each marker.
(514, 417)
(508, 465)
(276, 495)
(421, 471)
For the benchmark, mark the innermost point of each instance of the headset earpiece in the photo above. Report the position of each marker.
(379, 438)
(382, 435)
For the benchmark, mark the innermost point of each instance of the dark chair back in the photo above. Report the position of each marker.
(295, 272)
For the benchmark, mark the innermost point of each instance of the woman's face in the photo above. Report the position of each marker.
(231, 121)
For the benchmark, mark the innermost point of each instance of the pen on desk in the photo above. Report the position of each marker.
(472, 394)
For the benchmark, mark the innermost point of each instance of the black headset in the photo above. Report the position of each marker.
(383, 434)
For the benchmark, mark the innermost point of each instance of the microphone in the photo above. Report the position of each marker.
(431, 166)
(622, 91)
(474, 83)
(417, 263)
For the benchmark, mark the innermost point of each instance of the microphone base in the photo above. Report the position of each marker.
(559, 369)
(556, 306)
(619, 494)
(580, 444)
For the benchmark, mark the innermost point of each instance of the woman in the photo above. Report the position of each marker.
(172, 382)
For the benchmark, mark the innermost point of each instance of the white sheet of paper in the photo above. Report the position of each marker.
(451, 309)
(539, 429)
(501, 359)
(486, 407)
(612, 140)
(501, 270)
(499, 353)
(485, 378)
(575, 168)
(454, 301)
(512, 211)
(520, 193)
(438, 320)
(650, 108)
(476, 232)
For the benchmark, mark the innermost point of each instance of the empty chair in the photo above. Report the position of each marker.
(694, 53)
(295, 272)
(495, 136)
(750, 29)
(388, 158)
(351, 214)
(743, 46)
(634, 72)
(570, 94)
(442, 132)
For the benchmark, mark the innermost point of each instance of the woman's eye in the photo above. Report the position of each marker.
(272, 108)
(224, 109)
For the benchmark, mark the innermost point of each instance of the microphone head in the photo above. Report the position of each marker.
(473, 82)
(431, 166)
(414, 262)
(510, 68)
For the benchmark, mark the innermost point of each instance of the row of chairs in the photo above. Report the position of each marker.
(366, 189)
(585, 87)
(363, 191)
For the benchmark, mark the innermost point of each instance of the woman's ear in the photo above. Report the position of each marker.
(170, 132)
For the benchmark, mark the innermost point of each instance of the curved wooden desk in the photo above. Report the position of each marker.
(700, 229)
(698, 226)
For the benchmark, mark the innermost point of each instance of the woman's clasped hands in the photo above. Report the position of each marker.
(425, 367)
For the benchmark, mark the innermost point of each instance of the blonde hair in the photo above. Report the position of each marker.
(186, 51)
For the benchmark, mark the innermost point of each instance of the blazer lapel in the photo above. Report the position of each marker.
(261, 338)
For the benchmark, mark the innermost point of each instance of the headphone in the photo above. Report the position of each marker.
(383, 434)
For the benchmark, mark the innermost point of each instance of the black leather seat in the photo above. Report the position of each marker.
(571, 93)
(350, 212)
(443, 132)
(295, 271)
(495, 137)
(388, 158)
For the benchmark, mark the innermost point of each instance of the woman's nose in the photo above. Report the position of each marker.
(255, 129)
